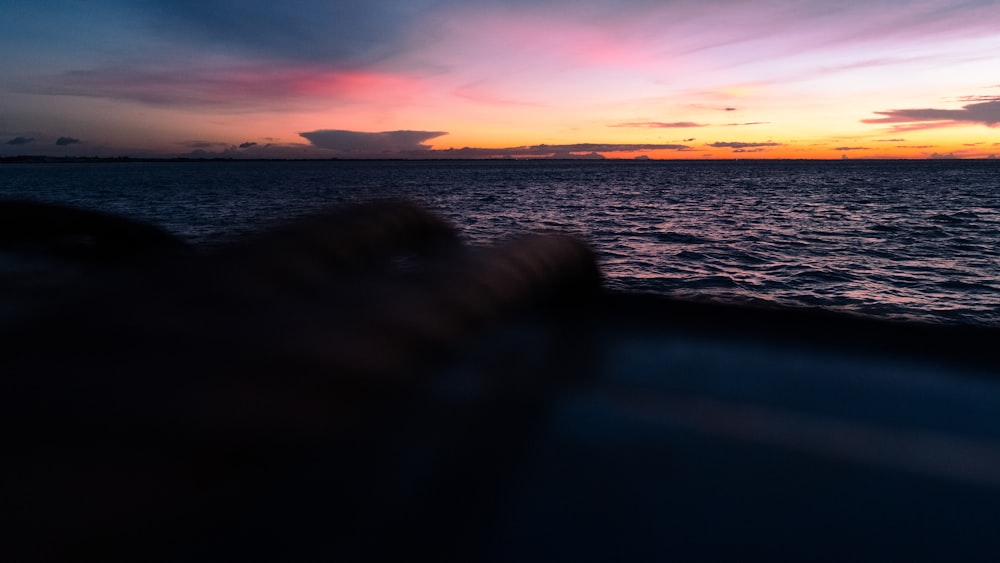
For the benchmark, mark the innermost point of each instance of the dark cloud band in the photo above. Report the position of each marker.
(378, 143)
(412, 144)
(742, 145)
(661, 124)
(984, 113)
(556, 151)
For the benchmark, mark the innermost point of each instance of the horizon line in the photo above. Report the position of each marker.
(45, 158)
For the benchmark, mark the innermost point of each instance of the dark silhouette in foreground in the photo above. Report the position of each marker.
(359, 385)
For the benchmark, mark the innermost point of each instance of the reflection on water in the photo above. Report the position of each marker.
(901, 239)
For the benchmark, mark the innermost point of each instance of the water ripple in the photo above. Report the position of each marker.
(896, 239)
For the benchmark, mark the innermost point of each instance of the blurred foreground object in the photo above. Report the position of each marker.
(358, 385)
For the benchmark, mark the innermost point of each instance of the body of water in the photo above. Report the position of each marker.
(892, 239)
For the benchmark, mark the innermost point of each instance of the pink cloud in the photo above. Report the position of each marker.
(577, 44)
(543, 37)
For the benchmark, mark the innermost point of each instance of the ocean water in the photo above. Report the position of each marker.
(916, 240)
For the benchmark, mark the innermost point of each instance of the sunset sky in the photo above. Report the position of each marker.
(490, 78)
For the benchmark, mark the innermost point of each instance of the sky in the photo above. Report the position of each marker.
(670, 79)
